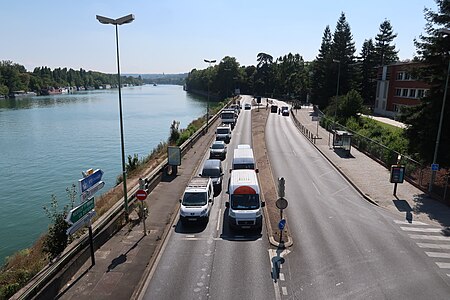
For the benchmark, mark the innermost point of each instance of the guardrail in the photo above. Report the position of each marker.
(67, 264)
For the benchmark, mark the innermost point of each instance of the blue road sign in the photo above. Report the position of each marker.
(282, 224)
(434, 167)
(89, 181)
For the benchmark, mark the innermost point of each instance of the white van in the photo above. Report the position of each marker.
(197, 201)
(244, 205)
(243, 159)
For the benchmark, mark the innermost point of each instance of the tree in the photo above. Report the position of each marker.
(368, 72)
(385, 51)
(433, 50)
(263, 82)
(345, 107)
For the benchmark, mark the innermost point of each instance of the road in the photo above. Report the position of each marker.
(344, 247)
(201, 262)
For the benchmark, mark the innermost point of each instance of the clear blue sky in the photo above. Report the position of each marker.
(174, 36)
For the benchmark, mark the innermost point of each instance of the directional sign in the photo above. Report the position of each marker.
(80, 211)
(81, 223)
(141, 195)
(92, 190)
(89, 181)
(434, 167)
(282, 224)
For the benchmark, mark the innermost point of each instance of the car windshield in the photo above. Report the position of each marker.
(222, 130)
(245, 202)
(218, 146)
(211, 172)
(227, 115)
(194, 199)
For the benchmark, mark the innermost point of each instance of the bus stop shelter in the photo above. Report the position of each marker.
(342, 140)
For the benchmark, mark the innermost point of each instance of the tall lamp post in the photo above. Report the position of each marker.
(120, 21)
(433, 173)
(207, 102)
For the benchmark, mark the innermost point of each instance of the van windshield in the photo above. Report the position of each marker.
(244, 202)
(223, 130)
(211, 172)
(194, 199)
(227, 115)
(243, 166)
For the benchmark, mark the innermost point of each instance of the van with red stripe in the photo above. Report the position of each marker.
(244, 205)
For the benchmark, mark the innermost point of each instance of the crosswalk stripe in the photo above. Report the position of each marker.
(284, 290)
(429, 237)
(438, 254)
(443, 265)
(409, 223)
(433, 246)
(415, 229)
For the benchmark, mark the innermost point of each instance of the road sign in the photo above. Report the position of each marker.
(91, 191)
(282, 224)
(281, 203)
(397, 173)
(80, 211)
(434, 167)
(141, 195)
(89, 181)
(81, 223)
(174, 155)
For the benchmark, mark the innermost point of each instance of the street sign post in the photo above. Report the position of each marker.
(397, 176)
(434, 167)
(89, 181)
(141, 195)
(92, 190)
(282, 224)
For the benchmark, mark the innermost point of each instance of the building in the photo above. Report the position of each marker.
(397, 88)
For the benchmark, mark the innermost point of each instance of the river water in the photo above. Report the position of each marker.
(46, 142)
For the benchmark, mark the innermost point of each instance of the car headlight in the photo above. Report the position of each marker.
(232, 214)
(204, 212)
(258, 213)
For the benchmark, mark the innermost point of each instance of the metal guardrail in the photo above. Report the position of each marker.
(45, 277)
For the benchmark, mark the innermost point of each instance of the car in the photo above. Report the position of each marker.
(223, 133)
(247, 106)
(218, 149)
(285, 111)
(274, 109)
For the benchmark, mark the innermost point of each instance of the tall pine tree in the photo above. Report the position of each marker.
(385, 50)
(368, 72)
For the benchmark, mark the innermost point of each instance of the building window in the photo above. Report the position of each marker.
(420, 93)
(398, 92)
(412, 93)
(407, 76)
(396, 108)
(400, 75)
(404, 92)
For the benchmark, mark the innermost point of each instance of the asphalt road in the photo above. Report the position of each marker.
(344, 247)
(201, 262)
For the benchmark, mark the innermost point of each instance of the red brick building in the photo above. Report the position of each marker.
(397, 88)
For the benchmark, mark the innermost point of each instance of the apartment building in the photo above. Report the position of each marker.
(397, 88)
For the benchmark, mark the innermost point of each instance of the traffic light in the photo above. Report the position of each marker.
(281, 183)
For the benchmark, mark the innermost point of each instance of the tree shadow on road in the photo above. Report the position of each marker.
(434, 209)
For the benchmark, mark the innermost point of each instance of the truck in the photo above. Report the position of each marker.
(197, 200)
(223, 133)
(244, 205)
(229, 116)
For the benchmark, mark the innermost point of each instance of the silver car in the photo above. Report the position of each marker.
(218, 149)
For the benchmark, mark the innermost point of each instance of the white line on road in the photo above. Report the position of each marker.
(218, 220)
(438, 254)
(281, 276)
(443, 265)
(408, 223)
(433, 246)
(429, 237)
(316, 187)
(416, 229)
(284, 290)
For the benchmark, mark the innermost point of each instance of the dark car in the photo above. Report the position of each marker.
(285, 111)
(274, 108)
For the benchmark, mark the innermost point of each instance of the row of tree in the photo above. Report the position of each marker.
(14, 77)
(337, 70)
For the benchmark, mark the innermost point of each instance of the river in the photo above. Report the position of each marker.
(46, 142)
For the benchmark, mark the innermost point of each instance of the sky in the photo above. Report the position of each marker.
(175, 36)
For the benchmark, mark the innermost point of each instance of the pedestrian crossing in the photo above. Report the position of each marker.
(431, 239)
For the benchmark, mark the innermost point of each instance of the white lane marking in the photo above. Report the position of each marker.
(443, 265)
(337, 192)
(233, 238)
(408, 223)
(416, 229)
(281, 276)
(218, 220)
(429, 237)
(284, 290)
(316, 188)
(326, 173)
(190, 236)
(438, 254)
(433, 246)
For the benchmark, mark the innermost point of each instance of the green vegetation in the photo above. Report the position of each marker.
(14, 77)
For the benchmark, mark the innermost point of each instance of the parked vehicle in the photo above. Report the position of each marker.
(229, 116)
(243, 159)
(218, 150)
(197, 200)
(212, 168)
(223, 133)
(244, 205)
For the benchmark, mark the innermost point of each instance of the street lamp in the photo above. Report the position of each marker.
(207, 102)
(120, 21)
(442, 31)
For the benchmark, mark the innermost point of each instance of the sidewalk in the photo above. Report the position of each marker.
(372, 180)
(122, 261)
